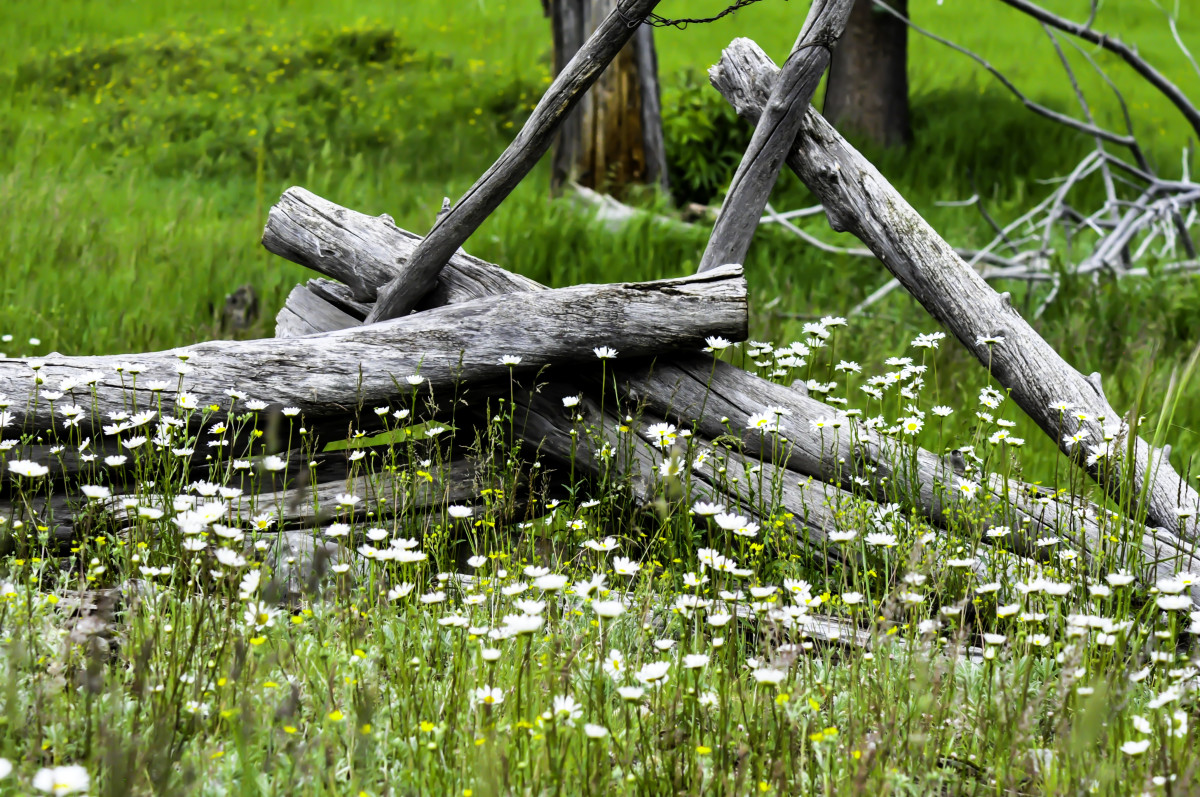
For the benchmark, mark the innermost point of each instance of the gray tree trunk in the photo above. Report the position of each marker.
(867, 90)
(615, 137)
(537, 135)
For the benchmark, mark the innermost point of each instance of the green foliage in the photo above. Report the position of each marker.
(597, 644)
(141, 145)
(704, 138)
(223, 102)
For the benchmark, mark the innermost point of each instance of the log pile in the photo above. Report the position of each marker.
(819, 472)
(602, 383)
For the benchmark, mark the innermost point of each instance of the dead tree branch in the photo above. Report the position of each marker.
(759, 169)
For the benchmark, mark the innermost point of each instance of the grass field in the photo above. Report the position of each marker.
(141, 145)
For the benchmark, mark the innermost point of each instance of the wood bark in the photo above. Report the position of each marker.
(452, 230)
(867, 89)
(858, 199)
(333, 373)
(773, 135)
(307, 313)
(614, 137)
(653, 139)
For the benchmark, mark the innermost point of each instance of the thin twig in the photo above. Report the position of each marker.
(1114, 45)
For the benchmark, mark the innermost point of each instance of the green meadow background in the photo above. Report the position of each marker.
(142, 143)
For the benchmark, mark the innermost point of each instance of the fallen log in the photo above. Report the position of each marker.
(544, 429)
(384, 495)
(854, 456)
(858, 199)
(335, 373)
(808, 510)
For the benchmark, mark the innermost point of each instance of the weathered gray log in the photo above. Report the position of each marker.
(858, 199)
(773, 135)
(334, 373)
(67, 465)
(306, 313)
(382, 494)
(536, 136)
(64, 509)
(745, 484)
(301, 505)
(680, 388)
(545, 427)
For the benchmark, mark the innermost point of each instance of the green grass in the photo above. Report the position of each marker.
(383, 676)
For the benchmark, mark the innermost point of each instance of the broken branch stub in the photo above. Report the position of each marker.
(858, 199)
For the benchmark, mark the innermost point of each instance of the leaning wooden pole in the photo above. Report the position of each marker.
(773, 135)
(452, 230)
(859, 200)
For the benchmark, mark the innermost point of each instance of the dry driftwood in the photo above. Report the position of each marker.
(858, 199)
(333, 373)
(773, 135)
(1114, 45)
(383, 495)
(288, 495)
(452, 230)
